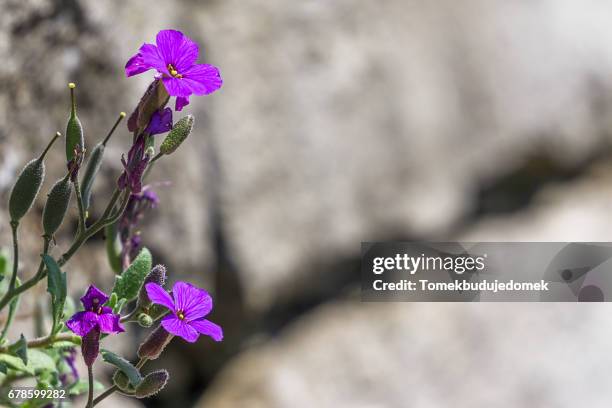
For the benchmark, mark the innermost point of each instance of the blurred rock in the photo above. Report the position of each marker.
(426, 355)
(575, 212)
(345, 121)
(338, 122)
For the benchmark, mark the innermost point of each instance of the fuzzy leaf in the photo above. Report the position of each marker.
(13, 362)
(122, 364)
(56, 286)
(129, 282)
(39, 361)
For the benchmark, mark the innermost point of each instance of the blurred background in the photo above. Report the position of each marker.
(340, 121)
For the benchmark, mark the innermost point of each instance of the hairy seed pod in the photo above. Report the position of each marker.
(28, 185)
(26, 189)
(145, 320)
(153, 345)
(122, 382)
(56, 206)
(74, 129)
(91, 171)
(153, 383)
(156, 275)
(177, 135)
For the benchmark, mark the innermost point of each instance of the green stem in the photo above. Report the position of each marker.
(14, 227)
(105, 394)
(40, 273)
(10, 317)
(150, 166)
(90, 402)
(142, 362)
(88, 233)
(78, 242)
(44, 153)
(121, 116)
(42, 342)
(77, 189)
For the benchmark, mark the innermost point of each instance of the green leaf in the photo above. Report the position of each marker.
(122, 364)
(81, 386)
(56, 286)
(128, 284)
(20, 349)
(39, 361)
(13, 362)
(3, 368)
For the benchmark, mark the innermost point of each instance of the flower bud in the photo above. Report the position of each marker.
(156, 275)
(177, 135)
(90, 347)
(74, 130)
(56, 206)
(154, 99)
(153, 345)
(145, 320)
(153, 383)
(122, 382)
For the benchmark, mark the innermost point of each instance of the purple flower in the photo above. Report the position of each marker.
(134, 167)
(189, 306)
(174, 58)
(161, 122)
(95, 315)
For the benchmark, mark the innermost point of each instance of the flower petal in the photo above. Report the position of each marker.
(192, 301)
(186, 54)
(109, 323)
(208, 328)
(179, 328)
(81, 323)
(161, 122)
(177, 49)
(177, 86)
(135, 66)
(181, 102)
(158, 295)
(151, 58)
(94, 297)
(202, 79)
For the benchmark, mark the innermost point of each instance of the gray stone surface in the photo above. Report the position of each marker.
(341, 122)
(338, 122)
(423, 355)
